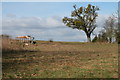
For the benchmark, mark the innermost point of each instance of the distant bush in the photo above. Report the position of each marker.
(5, 36)
(10, 45)
(100, 38)
(51, 40)
(95, 39)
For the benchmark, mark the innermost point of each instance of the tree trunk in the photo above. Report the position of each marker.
(110, 40)
(88, 37)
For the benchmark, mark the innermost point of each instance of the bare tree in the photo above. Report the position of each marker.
(117, 30)
(109, 28)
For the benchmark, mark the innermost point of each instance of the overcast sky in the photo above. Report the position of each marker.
(43, 20)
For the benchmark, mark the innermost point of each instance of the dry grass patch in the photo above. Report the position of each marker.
(63, 60)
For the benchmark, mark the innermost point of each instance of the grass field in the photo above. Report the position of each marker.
(62, 60)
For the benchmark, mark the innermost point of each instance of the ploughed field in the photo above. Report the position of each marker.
(62, 60)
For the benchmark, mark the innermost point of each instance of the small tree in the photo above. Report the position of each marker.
(117, 32)
(117, 28)
(109, 28)
(83, 19)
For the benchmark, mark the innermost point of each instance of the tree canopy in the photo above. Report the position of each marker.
(83, 19)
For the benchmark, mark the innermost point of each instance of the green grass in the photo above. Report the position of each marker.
(62, 60)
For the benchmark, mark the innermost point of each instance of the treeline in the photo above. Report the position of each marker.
(110, 32)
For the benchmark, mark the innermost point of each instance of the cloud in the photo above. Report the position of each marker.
(53, 22)
(44, 28)
(101, 19)
(100, 22)
(31, 22)
(11, 15)
(41, 28)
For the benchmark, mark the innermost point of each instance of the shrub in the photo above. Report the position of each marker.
(10, 45)
(51, 40)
